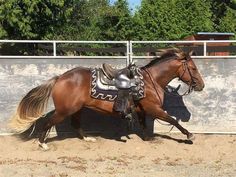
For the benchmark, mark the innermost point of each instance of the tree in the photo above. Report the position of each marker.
(85, 21)
(195, 16)
(173, 19)
(38, 19)
(224, 15)
(115, 22)
(228, 22)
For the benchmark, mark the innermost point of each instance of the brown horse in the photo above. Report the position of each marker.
(71, 91)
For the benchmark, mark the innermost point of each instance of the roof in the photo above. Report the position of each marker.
(215, 33)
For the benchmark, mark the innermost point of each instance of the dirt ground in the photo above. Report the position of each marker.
(166, 155)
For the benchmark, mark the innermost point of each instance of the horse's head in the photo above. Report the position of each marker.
(188, 72)
(174, 63)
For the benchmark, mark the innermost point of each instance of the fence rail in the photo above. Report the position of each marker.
(206, 49)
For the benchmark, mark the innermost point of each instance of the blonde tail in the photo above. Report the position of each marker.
(32, 106)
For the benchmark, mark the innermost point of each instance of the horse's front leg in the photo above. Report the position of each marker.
(142, 122)
(141, 113)
(162, 115)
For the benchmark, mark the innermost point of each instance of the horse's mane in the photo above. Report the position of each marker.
(167, 54)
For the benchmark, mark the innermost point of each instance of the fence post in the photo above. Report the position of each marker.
(130, 51)
(54, 49)
(205, 49)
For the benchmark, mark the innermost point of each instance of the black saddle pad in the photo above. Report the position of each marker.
(102, 91)
(99, 93)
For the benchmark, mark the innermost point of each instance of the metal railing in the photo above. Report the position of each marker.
(56, 43)
(203, 43)
(129, 54)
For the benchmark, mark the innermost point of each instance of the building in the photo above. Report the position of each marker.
(213, 49)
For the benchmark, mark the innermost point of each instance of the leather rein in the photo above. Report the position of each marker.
(192, 81)
(185, 68)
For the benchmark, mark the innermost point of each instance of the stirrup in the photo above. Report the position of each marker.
(129, 116)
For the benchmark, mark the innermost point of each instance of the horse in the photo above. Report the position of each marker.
(71, 91)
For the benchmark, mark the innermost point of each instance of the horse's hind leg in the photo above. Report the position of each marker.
(53, 120)
(76, 123)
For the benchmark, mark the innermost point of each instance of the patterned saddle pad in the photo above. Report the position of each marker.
(104, 89)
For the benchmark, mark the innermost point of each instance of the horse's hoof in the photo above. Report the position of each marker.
(190, 136)
(44, 146)
(148, 138)
(89, 139)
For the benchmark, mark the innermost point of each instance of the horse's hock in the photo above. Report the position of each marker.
(212, 110)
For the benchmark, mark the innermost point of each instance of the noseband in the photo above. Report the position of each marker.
(192, 82)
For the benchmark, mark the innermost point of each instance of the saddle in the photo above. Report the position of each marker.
(103, 85)
(109, 71)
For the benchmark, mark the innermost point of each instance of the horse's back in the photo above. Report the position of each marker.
(77, 70)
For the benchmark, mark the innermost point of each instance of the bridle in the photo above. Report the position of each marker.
(190, 86)
(192, 83)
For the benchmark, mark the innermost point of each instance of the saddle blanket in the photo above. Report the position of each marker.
(104, 91)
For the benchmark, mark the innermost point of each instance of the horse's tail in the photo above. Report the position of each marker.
(32, 106)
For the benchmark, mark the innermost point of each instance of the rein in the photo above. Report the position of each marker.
(190, 86)
(153, 83)
(192, 82)
(190, 89)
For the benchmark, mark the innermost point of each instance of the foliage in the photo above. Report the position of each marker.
(224, 15)
(116, 22)
(26, 19)
(99, 20)
(174, 19)
(228, 22)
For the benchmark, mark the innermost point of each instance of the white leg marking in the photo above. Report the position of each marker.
(44, 146)
(90, 139)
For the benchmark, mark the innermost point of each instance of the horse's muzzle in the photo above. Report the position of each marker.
(199, 87)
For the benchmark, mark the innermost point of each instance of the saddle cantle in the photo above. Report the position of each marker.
(109, 71)
(103, 83)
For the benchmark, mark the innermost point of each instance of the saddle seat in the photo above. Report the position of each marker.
(109, 71)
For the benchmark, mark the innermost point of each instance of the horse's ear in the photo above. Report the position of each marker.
(181, 55)
(177, 88)
(191, 53)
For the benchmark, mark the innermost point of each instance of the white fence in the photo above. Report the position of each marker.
(202, 43)
(129, 55)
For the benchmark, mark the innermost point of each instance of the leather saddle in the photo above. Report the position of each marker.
(104, 83)
(109, 71)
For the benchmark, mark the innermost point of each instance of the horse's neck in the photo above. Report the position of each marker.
(162, 74)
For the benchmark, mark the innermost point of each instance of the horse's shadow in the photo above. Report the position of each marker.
(184, 141)
(93, 123)
(114, 127)
(174, 104)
